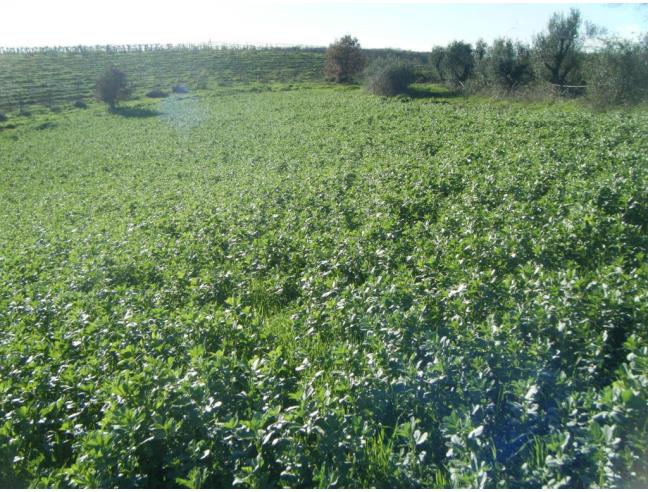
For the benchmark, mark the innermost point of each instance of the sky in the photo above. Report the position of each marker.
(406, 25)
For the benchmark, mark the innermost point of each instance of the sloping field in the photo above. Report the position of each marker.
(56, 76)
(317, 287)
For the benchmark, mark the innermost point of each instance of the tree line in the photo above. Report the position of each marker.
(137, 48)
(611, 71)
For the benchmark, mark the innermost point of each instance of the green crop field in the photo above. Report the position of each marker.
(301, 285)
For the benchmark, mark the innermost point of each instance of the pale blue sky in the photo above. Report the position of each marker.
(415, 26)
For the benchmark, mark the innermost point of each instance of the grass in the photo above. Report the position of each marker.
(269, 285)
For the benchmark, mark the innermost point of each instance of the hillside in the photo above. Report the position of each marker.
(55, 76)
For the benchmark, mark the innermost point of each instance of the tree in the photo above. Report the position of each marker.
(437, 57)
(508, 64)
(459, 62)
(112, 86)
(559, 48)
(344, 59)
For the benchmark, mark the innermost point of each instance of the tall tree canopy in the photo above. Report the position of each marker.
(559, 47)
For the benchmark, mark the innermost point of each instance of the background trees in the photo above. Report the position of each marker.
(618, 73)
(609, 72)
(344, 59)
(112, 86)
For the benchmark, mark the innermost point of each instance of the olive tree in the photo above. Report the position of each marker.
(508, 65)
(344, 59)
(459, 62)
(112, 86)
(559, 48)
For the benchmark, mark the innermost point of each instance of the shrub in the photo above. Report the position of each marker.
(389, 77)
(80, 104)
(157, 94)
(112, 86)
(344, 59)
(618, 74)
(3, 117)
(180, 89)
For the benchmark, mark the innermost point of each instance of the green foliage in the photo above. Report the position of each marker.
(344, 60)
(459, 62)
(281, 286)
(437, 57)
(112, 86)
(558, 49)
(618, 74)
(389, 77)
(508, 65)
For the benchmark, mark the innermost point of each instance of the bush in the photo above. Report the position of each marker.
(389, 77)
(80, 104)
(344, 59)
(180, 89)
(3, 117)
(157, 94)
(618, 74)
(112, 86)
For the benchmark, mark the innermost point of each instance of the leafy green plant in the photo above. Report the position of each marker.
(316, 287)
